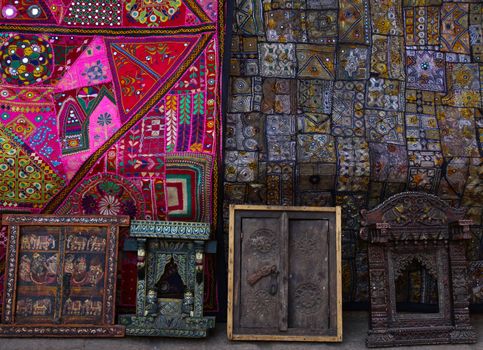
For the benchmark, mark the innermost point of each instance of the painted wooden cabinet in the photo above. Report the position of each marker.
(284, 274)
(169, 300)
(61, 275)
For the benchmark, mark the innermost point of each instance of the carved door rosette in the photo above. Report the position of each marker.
(417, 229)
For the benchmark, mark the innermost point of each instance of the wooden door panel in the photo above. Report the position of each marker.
(38, 284)
(83, 274)
(259, 269)
(308, 275)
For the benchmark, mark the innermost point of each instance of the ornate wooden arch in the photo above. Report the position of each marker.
(417, 226)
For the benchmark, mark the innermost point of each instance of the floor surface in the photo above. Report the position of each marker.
(355, 328)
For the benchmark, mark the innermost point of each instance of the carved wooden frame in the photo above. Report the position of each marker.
(107, 328)
(337, 284)
(407, 226)
(178, 235)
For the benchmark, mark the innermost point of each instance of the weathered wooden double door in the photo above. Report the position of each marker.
(285, 274)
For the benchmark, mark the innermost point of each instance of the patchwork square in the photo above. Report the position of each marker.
(353, 62)
(476, 42)
(422, 25)
(386, 17)
(284, 26)
(354, 21)
(321, 26)
(245, 132)
(476, 31)
(348, 109)
(463, 85)
(280, 126)
(188, 187)
(280, 131)
(422, 133)
(419, 101)
(241, 166)
(315, 95)
(277, 60)
(424, 170)
(389, 162)
(244, 56)
(353, 164)
(385, 94)
(249, 17)
(454, 28)
(246, 94)
(387, 60)
(457, 126)
(384, 126)
(316, 148)
(280, 180)
(279, 96)
(425, 70)
(316, 61)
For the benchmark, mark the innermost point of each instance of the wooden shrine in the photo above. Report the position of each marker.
(169, 300)
(421, 232)
(60, 276)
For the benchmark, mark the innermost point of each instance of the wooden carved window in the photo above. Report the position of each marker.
(417, 272)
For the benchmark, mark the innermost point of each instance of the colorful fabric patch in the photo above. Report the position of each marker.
(426, 70)
(385, 94)
(463, 85)
(454, 28)
(353, 62)
(384, 126)
(188, 187)
(422, 25)
(386, 17)
(277, 60)
(457, 132)
(26, 181)
(353, 21)
(387, 58)
(348, 109)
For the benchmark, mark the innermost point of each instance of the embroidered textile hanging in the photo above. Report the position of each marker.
(347, 102)
(111, 107)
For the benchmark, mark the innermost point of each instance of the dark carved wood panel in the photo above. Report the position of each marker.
(285, 274)
(308, 275)
(260, 247)
(422, 229)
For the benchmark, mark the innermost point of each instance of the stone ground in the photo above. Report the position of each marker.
(355, 328)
